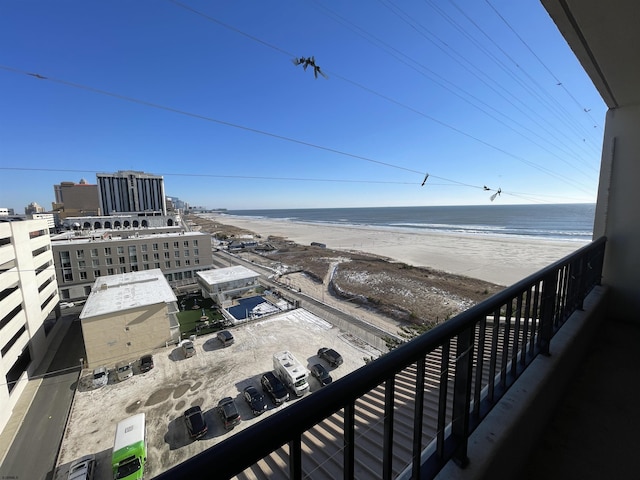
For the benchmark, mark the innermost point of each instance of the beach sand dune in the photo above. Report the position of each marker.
(500, 260)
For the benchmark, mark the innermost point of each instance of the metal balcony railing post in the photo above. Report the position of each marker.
(387, 455)
(462, 395)
(547, 312)
(295, 458)
(417, 419)
(349, 441)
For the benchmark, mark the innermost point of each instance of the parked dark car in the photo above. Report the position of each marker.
(255, 400)
(196, 425)
(330, 356)
(321, 374)
(273, 386)
(146, 363)
(228, 412)
(226, 338)
(188, 350)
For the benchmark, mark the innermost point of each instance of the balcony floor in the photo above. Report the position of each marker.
(595, 431)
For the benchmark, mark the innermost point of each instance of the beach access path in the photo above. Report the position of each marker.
(500, 260)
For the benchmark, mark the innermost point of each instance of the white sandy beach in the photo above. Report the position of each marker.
(495, 259)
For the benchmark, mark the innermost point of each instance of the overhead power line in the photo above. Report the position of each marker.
(565, 179)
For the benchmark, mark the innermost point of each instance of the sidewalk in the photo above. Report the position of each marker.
(26, 398)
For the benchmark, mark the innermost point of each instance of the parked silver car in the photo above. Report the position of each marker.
(100, 377)
(124, 371)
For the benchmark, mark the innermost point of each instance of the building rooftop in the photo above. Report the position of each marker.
(109, 235)
(229, 274)
(126, 291)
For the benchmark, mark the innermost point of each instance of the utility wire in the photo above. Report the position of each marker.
(442, 82)
(465, 63)
(558, 82)
(529, 163)
(222, 122)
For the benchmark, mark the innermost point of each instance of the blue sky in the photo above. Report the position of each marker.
(206, 94)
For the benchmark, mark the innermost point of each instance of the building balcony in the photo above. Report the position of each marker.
(470, 398)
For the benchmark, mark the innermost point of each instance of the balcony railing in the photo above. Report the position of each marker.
(410, 411)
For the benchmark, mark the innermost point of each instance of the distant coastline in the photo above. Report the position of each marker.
(497, 258)
(566, 222)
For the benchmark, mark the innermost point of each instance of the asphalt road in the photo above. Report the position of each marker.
(33, 453)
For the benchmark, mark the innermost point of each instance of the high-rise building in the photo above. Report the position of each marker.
(33, 207)
(28, 294)
(131, 191)
(76, 199)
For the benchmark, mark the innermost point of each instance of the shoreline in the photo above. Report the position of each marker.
(500, 260)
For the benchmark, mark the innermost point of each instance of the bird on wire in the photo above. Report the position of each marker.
(309, 62)
(425, 180)
(497, 194)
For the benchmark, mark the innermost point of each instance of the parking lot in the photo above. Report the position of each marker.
(177, 383)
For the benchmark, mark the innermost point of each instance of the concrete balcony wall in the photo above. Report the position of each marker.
(617, 213)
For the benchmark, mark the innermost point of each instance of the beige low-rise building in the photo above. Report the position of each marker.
(127, 316)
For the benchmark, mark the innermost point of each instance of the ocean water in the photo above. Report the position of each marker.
(570, 222)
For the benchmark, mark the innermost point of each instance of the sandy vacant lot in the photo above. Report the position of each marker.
(176, 384)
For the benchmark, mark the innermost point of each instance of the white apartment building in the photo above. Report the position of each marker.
(28, 293)
(224, 284)
(80, 259)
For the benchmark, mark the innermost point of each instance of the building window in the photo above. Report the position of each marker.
(94, 252)
(64, 294)
(178, 275)
(176, 254)
(83, 275)
(155, 246)
(187, 262)
(65, 260)
(156, 265)
(177, 263)
(121, 260)
(80, 253)
(120, 250)
(133, 259)
(176, 244)
(196, 252)
(145, 257)
(87, 290)
(167, 264)
(95, 262)
(81, 264)
(132, 250)
(156, 256)
(185, 243)
(67, 275)
(196, 261)
(169, 277)
(146, 266)
(107, 250)
(109, 271)
(143, 247)
(166, 245)
(134, 268)
(195, 243)
(186, 253)
(109, 261)
(167, 255)
(96, 273)
(188, 274)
